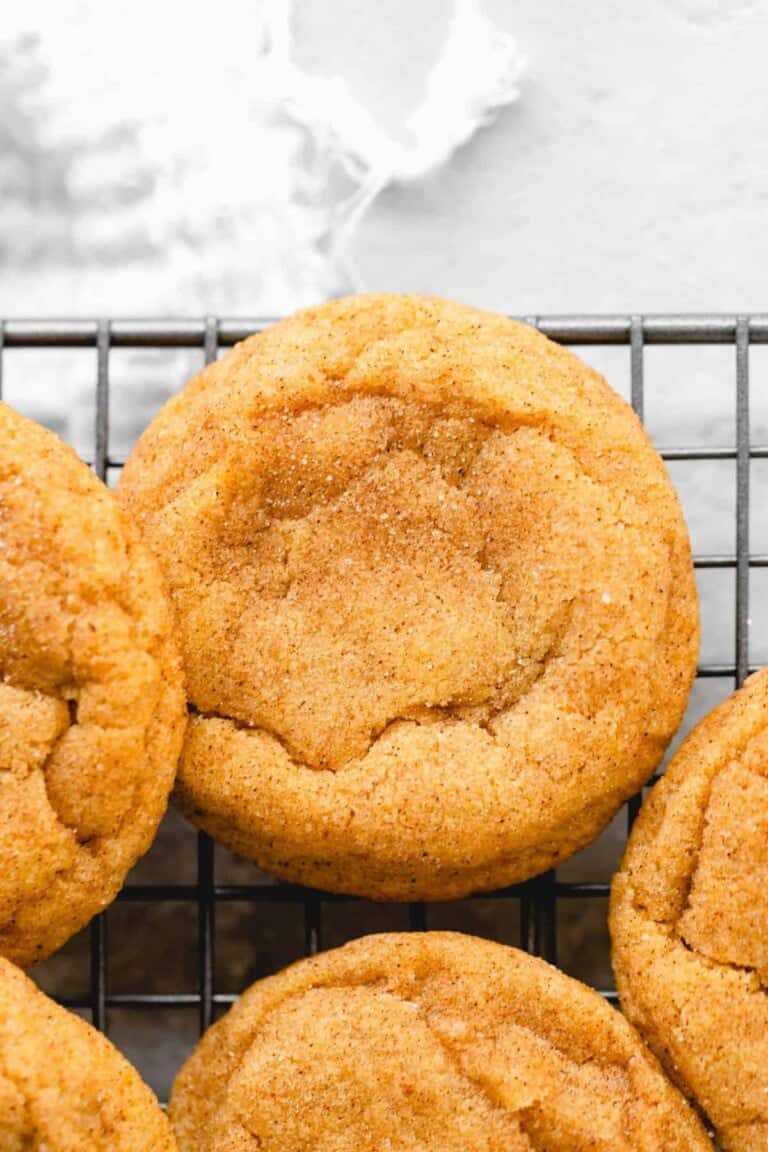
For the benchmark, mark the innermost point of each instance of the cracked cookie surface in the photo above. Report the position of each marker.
(431, 1040)
(63, 1086)
(689, 918)
(434, 591)
(91, 701)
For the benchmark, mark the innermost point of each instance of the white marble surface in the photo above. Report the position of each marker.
(148, 161)
(631, 175)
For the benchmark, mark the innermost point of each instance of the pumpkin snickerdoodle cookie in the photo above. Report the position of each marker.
(63, 1087)
(91, 702)
(435, 596)
(433, 1040)
(689, 919)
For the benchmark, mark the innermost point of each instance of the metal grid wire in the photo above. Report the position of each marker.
(538, 898)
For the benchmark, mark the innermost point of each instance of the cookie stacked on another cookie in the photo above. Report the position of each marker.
(63, 1087)
(91, 700)
(432, 1040)
(689, 918)
(434, 592)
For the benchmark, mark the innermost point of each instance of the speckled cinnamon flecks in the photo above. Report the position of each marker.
(689, 918)
(91, 702)
(435, 1040)
(435, 596)
(63, 1087)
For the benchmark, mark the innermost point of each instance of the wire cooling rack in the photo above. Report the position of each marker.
(538, 899)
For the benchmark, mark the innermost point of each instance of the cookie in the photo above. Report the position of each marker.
(435, 597)
(689, 918)
(91, 700)
(435, 1040)
(63, 1086)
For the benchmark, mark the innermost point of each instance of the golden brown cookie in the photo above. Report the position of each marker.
(91, 701)
(435, 597)
(689, 918)
(429, 1041)
(63, 1087)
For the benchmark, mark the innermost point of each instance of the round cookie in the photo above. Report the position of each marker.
(63, 1087)
(434, 1040)
(434, 591)
(91, 701)
(689, 918)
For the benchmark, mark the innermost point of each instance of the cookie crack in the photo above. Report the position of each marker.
(469, 410)
(724, 965)
(81, 841)
(154, 648)
(421, 715)
(394, 444)
(737, 758)
(753, 1121)
(520, 1115)
(671, 928)
(477, 1084)
(42, 768)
